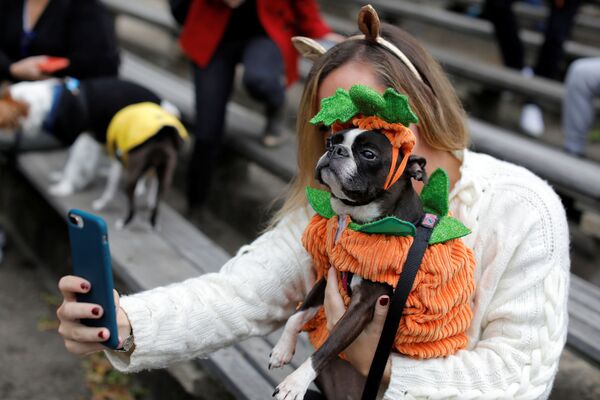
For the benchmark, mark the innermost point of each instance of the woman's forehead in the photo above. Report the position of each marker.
(351, 73)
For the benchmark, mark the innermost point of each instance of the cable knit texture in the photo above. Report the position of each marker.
(519, 327)
(438, 310)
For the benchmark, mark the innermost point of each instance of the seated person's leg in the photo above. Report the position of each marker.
(264, 79)
(213, 85)
(582, 87)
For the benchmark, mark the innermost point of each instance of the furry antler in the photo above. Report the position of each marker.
(368, 22)
(308, 47)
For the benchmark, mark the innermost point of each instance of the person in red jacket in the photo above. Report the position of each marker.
(219, 34)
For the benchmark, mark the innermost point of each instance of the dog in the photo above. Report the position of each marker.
(354, 169)
(80, 114)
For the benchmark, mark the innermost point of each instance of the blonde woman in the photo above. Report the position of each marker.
(519, 238)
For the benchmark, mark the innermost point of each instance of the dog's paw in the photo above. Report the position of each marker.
(294, 387)
(99, 204)
(282, 352)
(61, 189)
(120, 224)
(55, 176)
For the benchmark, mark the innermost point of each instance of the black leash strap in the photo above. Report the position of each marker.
(398, 300)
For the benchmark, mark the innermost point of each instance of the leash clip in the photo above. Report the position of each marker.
(429, 220)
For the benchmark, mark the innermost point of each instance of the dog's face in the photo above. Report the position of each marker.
(26, 105)
(355, 168)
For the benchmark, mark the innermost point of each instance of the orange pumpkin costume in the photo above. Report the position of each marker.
(438, 311)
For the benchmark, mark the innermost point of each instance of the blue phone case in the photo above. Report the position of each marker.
(91, 260)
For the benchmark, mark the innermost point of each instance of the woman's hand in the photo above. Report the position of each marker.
(360, 352)
(81, 339)
(28, 69)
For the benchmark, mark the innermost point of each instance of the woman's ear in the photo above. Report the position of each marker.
(416, 168)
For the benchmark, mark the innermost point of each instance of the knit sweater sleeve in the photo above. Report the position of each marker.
(520, 305)
(251, 295)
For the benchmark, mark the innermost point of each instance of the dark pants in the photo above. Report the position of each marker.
(558, 29)
(263, 78)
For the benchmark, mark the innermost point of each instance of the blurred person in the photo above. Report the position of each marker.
(217, 35)
(79, 30)
(582, 86)
(558, 29)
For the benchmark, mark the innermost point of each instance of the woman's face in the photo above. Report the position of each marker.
(353, 73)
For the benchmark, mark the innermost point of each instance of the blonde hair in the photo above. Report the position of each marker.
(441, 115)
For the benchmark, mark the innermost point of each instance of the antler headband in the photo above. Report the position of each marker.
(369, 25)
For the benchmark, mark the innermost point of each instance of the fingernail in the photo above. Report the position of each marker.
(96, 310)
(85, 286)
(384, 301)
(101, 334)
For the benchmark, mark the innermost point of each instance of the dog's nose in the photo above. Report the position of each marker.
(339, 151)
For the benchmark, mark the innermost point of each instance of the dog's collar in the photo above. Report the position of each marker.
(434, 198)
(70, 84)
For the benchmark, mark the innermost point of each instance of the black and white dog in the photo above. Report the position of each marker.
(78, 114)
(354, 168)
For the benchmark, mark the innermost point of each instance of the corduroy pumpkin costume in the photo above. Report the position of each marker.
(437, 312)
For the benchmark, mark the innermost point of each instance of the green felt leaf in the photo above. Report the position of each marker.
(320, 201)
(338, 107)
(366, 100)
(386, 226)
(448, 228)
(397, 108)
(434, 195)
(392, 107)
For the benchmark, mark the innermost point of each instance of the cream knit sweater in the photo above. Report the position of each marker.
(520, 242)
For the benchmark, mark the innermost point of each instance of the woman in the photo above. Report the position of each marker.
(519, 238)
(80, 30)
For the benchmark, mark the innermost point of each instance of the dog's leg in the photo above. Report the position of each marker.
(152, 192)
(112, 184)
(164, 175)
(80, 168)
(135, 168)
(352, 323)
(286, 345)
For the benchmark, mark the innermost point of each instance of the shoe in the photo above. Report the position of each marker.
(532, 120)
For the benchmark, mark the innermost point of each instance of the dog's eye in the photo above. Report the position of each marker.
(368, 154)
(328, 143)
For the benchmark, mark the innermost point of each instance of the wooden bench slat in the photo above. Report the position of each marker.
(144, 259)
(471, 26)
(470, 68)
(581, 338)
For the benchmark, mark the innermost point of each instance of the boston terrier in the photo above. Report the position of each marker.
(354, 168)
(79, 114)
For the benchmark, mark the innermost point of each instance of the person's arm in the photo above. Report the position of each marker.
(309, 20)
(523, 289)
(92, 46)
(252, 295)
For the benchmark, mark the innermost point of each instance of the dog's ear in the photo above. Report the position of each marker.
(416, 168)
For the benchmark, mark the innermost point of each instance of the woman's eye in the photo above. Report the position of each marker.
(369, 155)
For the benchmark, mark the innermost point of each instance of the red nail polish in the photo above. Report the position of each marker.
(384, 301)
(85, 286)
(101, 334)
(96, 310)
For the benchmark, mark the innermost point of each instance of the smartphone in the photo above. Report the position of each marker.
(53, 64)
(91, 260)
